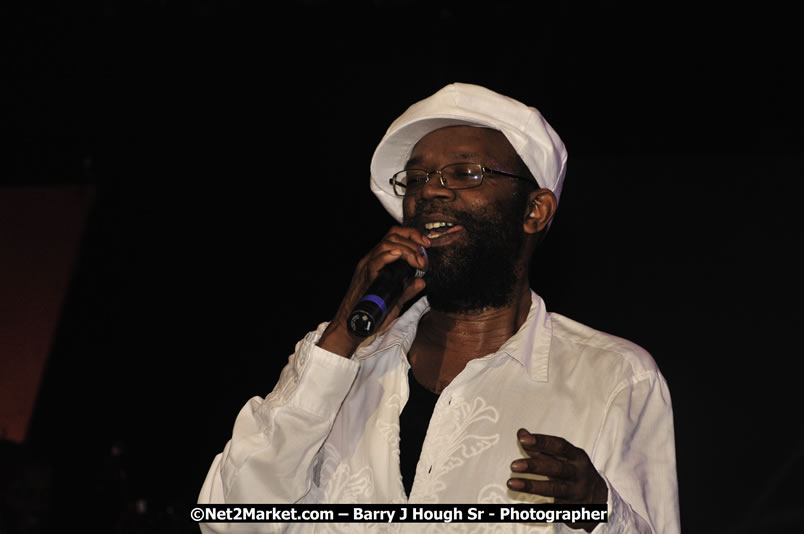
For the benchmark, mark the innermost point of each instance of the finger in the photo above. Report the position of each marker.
(407, 238)
(411, 233)
(542, 464)
(415, 287)
(414, 253)
(558, 489)
(412, 287)
(543, 443)
(387, 252)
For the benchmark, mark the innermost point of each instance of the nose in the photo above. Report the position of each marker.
(434, 187)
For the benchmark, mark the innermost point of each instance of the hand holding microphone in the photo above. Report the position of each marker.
(383, 281)
(372, 309)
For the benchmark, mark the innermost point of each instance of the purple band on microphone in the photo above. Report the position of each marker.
(376, 300)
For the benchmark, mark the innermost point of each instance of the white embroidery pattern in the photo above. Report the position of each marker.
(453, 444)
(390, 432)
(340, 484)
(499, 494)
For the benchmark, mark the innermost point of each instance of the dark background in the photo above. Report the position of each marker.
(228, 148)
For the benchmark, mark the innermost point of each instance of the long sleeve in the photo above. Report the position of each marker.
(636, 456)
(270, 458)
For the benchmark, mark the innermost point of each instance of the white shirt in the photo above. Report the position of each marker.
(329, 431)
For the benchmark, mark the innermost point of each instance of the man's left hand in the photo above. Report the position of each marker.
(572, 479)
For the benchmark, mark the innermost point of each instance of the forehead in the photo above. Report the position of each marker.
(462, 143)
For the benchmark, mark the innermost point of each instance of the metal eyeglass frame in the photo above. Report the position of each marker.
(427, 174)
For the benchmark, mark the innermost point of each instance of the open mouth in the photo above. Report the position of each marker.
(437, 229)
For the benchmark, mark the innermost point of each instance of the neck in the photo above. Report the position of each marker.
(446, 342)
(477, 333)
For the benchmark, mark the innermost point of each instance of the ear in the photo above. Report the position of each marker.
(540, 210)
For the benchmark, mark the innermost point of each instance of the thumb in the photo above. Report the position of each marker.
(411, 290)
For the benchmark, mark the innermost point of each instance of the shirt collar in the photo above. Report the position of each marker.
(530, 346)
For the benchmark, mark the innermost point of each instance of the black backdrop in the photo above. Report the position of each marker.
(229, 146)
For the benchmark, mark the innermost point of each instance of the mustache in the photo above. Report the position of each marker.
(461, 217)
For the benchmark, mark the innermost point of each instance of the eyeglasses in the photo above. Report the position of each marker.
(454, 177)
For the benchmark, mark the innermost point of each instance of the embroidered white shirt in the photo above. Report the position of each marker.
(329, 431)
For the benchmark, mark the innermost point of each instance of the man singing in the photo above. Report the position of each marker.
(476, 393)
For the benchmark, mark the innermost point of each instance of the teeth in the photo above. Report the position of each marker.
(434, 225)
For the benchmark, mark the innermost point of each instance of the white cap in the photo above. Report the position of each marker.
(462, 104)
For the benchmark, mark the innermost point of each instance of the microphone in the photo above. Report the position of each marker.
(381, 295)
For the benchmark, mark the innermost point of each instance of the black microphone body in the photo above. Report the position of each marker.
(381, 295)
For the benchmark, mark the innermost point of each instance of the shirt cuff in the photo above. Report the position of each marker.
(621, 517)
(324, 378)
